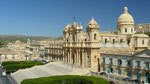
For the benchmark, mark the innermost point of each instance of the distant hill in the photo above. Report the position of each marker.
(29, 37)
(4, 39)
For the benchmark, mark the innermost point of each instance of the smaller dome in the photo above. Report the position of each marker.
(125, 17)
(67, 27)
(93, 24)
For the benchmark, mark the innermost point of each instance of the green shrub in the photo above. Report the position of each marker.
(67, 79)
(16, 65)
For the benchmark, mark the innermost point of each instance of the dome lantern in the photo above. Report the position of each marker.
(125, 10)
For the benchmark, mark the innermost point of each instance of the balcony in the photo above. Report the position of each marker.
(128, 66)
(137, 67)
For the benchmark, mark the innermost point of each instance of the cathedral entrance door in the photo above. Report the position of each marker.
(147, 77)
(73, 59)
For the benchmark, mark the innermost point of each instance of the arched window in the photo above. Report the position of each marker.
(113, 41)
(119, 30)
(74, 37)
(142, 42)
(125, 29)
(94, 36)
(121, 40)
(131, 30)
(128, 41)
(105, 41)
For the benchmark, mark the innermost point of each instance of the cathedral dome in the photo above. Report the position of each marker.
(125, 18)
(93, 24)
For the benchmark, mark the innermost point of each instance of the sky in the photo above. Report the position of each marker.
(49, 17)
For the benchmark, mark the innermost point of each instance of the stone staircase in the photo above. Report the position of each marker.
(51, 69)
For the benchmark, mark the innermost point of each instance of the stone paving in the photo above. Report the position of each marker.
(51, 69)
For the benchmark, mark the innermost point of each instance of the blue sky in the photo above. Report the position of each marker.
(49, 17)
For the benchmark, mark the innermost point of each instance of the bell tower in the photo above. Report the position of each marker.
(92, 31)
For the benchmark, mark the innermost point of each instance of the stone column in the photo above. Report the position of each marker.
(58, 58)
(50, 57)
(79, 58)
(85, 59)
(83, 56)
(66, 55)
(71, 59)
(75, 56)
(63, 56)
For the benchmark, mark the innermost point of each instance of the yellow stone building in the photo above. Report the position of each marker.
(100, 51)
(84, 48)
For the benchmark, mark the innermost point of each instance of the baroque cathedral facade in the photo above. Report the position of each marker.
(84, 48)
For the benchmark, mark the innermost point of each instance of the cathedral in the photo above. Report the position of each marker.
(84, 48)
(124, 52)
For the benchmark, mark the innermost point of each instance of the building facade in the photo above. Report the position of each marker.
(84, 48)
(143, 28)
(54, 51)
(132, 64)
(120, 52)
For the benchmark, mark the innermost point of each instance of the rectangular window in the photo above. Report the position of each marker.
(138, 76)
(142, 42)
(119, 62)
(13, 57)
(129, 63)
(111, 61)
(138, 64)
(119, 71)
(5, 56)
(129, 73)
(104, 68)
(103, 60)
(147, 65)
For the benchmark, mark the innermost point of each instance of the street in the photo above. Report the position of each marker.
(5, 80)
